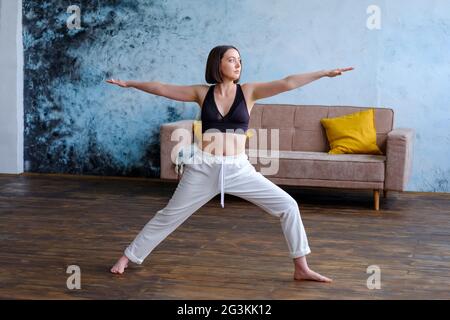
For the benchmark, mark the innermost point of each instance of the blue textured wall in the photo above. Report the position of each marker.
(76, 123)
(414, 77)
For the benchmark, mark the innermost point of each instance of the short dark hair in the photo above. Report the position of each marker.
(212, 74)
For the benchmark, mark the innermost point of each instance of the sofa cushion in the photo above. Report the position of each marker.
(322, 165)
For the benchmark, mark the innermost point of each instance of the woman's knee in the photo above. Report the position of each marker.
(291, 206)
(290, 201)
(286, 207)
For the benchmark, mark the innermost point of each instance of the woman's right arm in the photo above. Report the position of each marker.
(174, 92)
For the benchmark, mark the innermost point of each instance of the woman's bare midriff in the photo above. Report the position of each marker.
(221, 143)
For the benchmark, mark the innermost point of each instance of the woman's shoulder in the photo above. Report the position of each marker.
(202, 91)
(246, 87)
(247, 90)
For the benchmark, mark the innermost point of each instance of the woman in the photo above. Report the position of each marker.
(225, 111)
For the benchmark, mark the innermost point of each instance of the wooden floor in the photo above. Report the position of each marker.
(49, 222)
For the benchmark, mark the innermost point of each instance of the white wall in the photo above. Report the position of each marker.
(11, 87)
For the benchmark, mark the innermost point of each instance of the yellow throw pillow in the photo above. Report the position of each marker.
(249, 133)
(197, 127)
(352, 133)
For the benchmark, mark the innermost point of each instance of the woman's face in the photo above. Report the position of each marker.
(230, 65)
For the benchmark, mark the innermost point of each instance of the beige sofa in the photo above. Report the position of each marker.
(303, 158)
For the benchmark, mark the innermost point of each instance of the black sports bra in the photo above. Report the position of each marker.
(237, 118)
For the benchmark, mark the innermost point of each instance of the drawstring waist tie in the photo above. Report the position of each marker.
(222, 160)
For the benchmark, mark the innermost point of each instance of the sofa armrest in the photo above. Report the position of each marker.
(171, 142)
(399, 153)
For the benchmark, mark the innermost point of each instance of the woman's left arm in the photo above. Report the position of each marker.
(261, 90)
(298, 80)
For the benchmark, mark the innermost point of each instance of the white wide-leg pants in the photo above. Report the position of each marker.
(207, 175)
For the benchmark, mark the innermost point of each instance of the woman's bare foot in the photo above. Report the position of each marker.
(310, 275)
(303, 272)
(120, 265)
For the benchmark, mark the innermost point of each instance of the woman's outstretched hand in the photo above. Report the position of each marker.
(120, 83)
(337, 72)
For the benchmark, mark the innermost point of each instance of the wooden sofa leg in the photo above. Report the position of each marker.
(376, 199)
